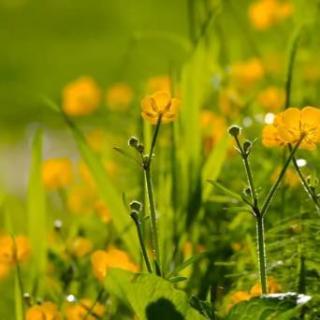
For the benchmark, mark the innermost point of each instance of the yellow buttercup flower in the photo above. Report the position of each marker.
(81, 97)
(271, 99)
(79, 310)
(291, 125)
(13, 250)
(56, 173)
(160, 104)
(159, 83)
(44, 311)
(111, 258)
(265, 13)
(247, 73)
(80, 247)
(119, 96)
(273, 287)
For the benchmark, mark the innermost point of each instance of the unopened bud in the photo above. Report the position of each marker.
(135, 205)
(234, 130)
(133, 142)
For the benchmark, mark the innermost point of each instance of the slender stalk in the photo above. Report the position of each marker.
(137, 222)
(150, 195)
(275, 186)
(304, 183)
(245, 159)
(153, 214)
(262, 260)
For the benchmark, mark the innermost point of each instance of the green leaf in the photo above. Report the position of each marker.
(37, 219)
(151, 297)
(120, 217)
(270, 307)
(213, 165)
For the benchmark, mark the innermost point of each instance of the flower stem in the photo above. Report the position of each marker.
(262, 260)
(137, 222)
(304, 183)
(154, 227)
(150, 195)
(275, 186)
(245, 159)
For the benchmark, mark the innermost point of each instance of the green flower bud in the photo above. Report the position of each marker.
(133, 142)
(135, 205)
(234, 130)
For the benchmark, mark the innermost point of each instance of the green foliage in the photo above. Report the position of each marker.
(151, 297)
(272, 307)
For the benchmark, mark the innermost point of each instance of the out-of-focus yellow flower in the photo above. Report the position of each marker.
(271, 99)
(80, 247)
(290, 178)
(265, 13)
(56, 173)
(230, 102)
(247, 73)
(79, 310)
(96, 139)
(81, 199)
(213, 129)
(119, 96)
(44, 311)
(238, 297)
(291, 125)
(102, 211)
(160, 104)
(13, 250)
(111, 258)
(159, 83)
(273, 287)
(81, 97)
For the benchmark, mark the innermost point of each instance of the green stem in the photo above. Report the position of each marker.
(275, 186)
(153, 214)
(245, 159)
(150, 195)
(137, 222)
(261, 254)
(304, 183)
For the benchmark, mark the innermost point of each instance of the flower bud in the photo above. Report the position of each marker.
(58, 225)
(135, 205)
(247, 145)
(140, 148)
(234, 130)
(133, 142)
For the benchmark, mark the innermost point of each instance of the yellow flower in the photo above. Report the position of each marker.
(44, 311)
(56, 173)
(265, 13)
(102, 211)
(13, 250)
(273, 287)
(247, 73)
(79, 310)
(96, 139)
(160, 104)
(111, 258)
(290, 178)
(159, 83)
(80, 247)
(291, 125)
(81, 97)
(119, 96)
(81, 199)
(271, 98)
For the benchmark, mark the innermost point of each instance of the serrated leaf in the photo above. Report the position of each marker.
(151, 297)
(270, 307)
